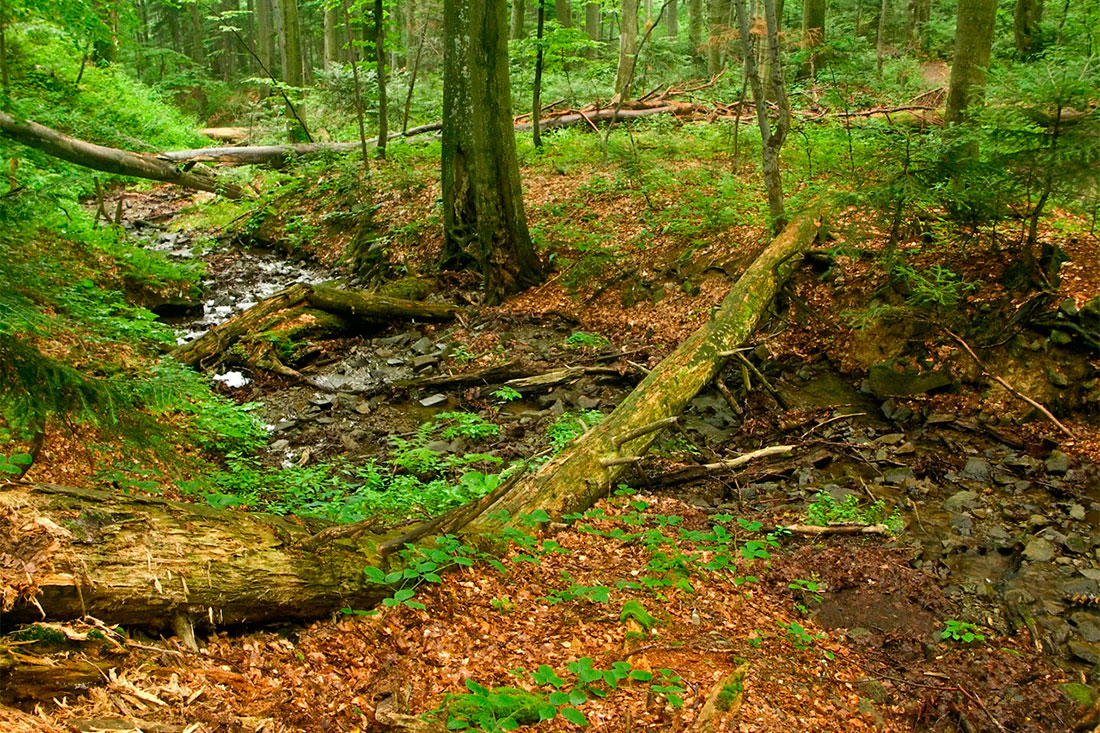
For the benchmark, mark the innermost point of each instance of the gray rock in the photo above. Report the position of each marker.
(1056, 378)
(434, 400)
(1039, 550)
(976, 469)
(423, 346)
(902, 413)
(898, 476)
(1081, 587)
(961, 501)
(1077, 512)
(421, 363)
(962, 524)
(1037, 520)
(1058, 462)
(892, 438)
(1088, 626)
(1077, 545)
(587, 403)
(395, 362)
(898, 377)
(1090, 573)
(280, 444)
(439, 446)
(1069, 307)
(1085, 650)
(284, 425)
(1090, 311)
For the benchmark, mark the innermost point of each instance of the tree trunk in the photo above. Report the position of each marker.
(121, 559)
(265, 29)
(592, 17)
(672, 29)
(563, 10)
(628, 48)
(293, 67)
(536, 88)
(716, 26)
(973, 42)
(813, 33)
(5, 84)
(880, 39)
(1026, 17)
(354, 309)
(380, 57)
(919, 13)
(519, 11)
(112, 160)
(695, 24)
(332, 39)
(482, 196)
(772, 140)
(198, 53)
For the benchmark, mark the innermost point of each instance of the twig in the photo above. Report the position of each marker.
(834, 418)
(985, 370)
(763, 380)
(623, 461)
(720, 383)
(652, 427)
(981, 704)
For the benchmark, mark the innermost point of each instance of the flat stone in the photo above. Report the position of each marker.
(1039, 550)
(423, 346)
(1085, 650)
(892, 438)
(1081, 587)
(1077, 545)
(899, 476)
(897, 377)
(1077, 512)
(1057, 462)
(424, 362)
(1037, 520)
(938, 418)
(363, 407)
(280, 444)
(432, 401)
(1055, 377)
(1088, 625)
(587, 403)
(284, 425)
(961, 501)
(902, 413)
(1069, 307)
(905, 449)
(1090, 311)
(1079, 692)
(976, 469)
(1090, 573)
(395, 362)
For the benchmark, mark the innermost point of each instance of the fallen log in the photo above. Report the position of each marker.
(305, 311)
(591, 467)
(279, 155)
(159, 564)
(113, 160)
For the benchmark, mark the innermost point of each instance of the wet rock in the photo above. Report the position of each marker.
(1088, 626)
(905, 449)
(1090, 573)
(1081, 587)
(322, 401)
(587, 403)
(961, 501)
(423, 346)
(284, 425)
(1056, 378)
(434, 400)
(998, 538)
(349, 443)
(1077, 545)
(1090, 311)
(962, 524)
(898, 377)
(1058, 462)
(1039, 550)
(395, 362)
(1077, 512)
(1085, 650)
(976, 469)
(280, 444)
(362, 407)
(1057, 628)
(1069, 308)
(424, 362)
(439, 446)
(897, 476)
(892, 438)
(872, 689)
(1037, 520)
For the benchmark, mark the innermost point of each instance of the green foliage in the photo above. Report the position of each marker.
(422, 565)
(961, 631)
(634, 610)
(506, 394)
(802, 638)
(571, 425)
(825, 510)
(583, 340)
(466, 425)
(936, 286)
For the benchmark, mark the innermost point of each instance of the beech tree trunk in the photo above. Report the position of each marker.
(519, 12)
(332, 38)
(265, 33)
(112, 160)
(813, 32)
(293, 67)
(716, 26)
(483, 214)
(672, 27)
(695, 24)
(380, 58)
(1026, 16)
(973, 43)
(563, 10)
(628, 48)
(158, 564)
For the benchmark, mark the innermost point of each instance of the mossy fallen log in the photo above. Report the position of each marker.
(303, 312)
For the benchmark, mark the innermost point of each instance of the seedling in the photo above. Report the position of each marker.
(963, 631)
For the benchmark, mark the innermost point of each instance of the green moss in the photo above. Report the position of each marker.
(410, 288)
(1081, 694)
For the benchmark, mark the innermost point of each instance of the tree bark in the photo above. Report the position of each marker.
(813, 32)
(672, 29)
(293, 67)
(695, 24)
(158, 564)
(482, 196)
(380, 58)
(973, 43)
(519, 12)
(716, 26)
(265, 29)
(536, 88)
(198, 53)
(880, 38)
(332, 39)
(112, 160)
(772, 140)
(563, 11)
(628, 48)
(592, 17)
(1026, 16)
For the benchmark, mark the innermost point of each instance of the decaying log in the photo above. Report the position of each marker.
(26, 676)
(586, 471)
(313, 310)
(694, 473)
(141, 561)
(113, 160)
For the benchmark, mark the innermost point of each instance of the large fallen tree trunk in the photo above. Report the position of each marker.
(113, 160)
(306, 311)
(154, 563)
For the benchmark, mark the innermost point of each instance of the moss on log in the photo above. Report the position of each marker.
(144, 562)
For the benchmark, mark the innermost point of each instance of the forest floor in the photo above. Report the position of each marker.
(977, 614)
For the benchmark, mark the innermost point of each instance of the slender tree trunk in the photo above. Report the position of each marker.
(813, 32)
(919, 11)
(628, 48)
(519, 11)
(592, 18)
(293, 67)
(695, 25)
(228, 44)
(536, 96)
(772, 140)
(1026, 17)
(563, 9)
(412, 77)
(482, 196)
(716, 19)
(5, 82)
(973, 42)
(265, 33)
(332, 39)
(198, 53)
(380, 55)
(672, 29)
(354, 58)
(880, 40)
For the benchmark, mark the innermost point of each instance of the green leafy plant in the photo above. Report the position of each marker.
(571, 425)
(583, 340)
(825, 510)
(961, 631)
(466, 425)
(15, 464)
(507, 394)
